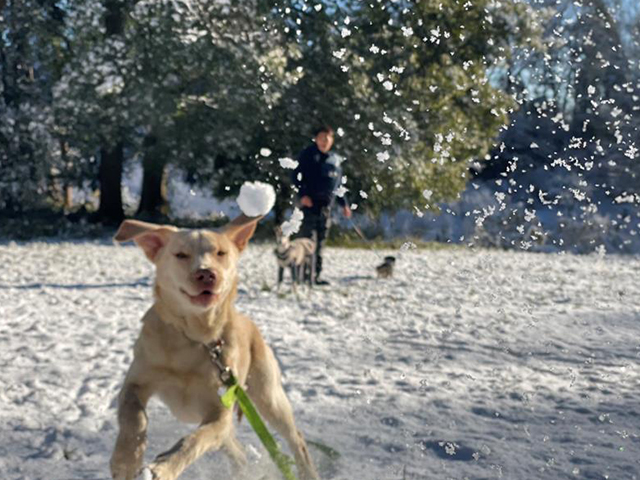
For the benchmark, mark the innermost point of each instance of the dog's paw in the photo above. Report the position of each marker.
(147, 474)
(156, 471)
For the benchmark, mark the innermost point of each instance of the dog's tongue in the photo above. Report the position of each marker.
(203, 298)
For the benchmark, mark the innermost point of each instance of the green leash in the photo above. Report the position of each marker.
(236, 393)
(282, 461)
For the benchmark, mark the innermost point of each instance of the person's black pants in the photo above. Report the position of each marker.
(318, 221)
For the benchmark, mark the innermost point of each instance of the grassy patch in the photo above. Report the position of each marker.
(348, 238)
(48, 223)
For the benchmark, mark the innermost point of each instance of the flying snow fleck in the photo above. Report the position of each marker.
(265, 152)
(287, 162)
(292, 225)
(341, 190)
(408, 246)
(382, 156)
(631, 152)
(256, 198)
(340, 53)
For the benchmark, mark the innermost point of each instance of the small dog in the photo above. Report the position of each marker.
(297, 255)
(385, 269)
(195, 289)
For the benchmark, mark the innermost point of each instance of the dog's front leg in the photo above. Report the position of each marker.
(128, 454)
(209, 436)
(280, 276)
(308, 276)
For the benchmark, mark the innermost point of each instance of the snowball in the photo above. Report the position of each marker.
(287, 162)
(256, 198)
(292, 225)
(265, 152)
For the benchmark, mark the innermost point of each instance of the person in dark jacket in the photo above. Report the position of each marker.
(317, 178)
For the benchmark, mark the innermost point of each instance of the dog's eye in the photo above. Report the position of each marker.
(182, 255)
(221, 253)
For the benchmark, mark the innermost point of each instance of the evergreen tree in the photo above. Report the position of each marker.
(30, 156)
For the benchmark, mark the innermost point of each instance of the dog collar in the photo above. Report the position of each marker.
(283, 255)
(214, 349)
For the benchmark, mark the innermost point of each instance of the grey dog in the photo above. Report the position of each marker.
(297, 255)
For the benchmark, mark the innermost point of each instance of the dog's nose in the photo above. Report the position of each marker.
(206, 276)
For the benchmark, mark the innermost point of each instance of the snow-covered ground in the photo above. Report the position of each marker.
(468, 364)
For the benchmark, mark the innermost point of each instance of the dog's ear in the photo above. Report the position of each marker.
(241, 229)
(148, 236)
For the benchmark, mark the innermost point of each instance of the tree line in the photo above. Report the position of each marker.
(418, 91)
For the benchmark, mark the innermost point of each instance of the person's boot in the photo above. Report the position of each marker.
(320, 281)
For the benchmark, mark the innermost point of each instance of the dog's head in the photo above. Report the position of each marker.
(195, 269)
(390, 260)
(282, 241)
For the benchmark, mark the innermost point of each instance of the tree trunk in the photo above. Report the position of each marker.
(153, 201)
(111, 157)
(67, 189)
(110, 177)
(68, 197)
